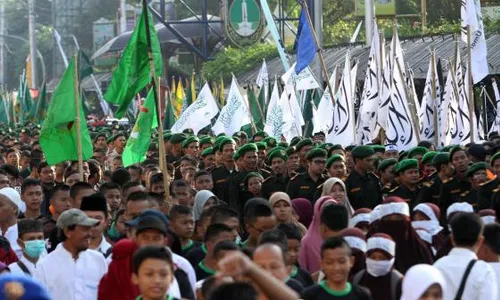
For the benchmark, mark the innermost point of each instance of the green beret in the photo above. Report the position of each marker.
(447, 148)
(221, 134)
(291, 150)
(188, 131)
(240, 134)
(261, 134)
(208, 151)
(337, 147)
(178, 138)
(270, 141)
(261, 145)
(206, 140)
(427, 158)
(362, 152)
(303, 143)
(378, 148)
(316, 152)
(383, 165)
(167, 136)
(326, 146)
(224, 141)
(115, 136)
(275, 153)
(441, 158)
(236, 139)
(295, 141)
(190, 140)
(98, 135)
(334, 158)
(350, 147)
(495, 157)
(283, 144)
(417, 151)
(251, 147)
(407, 164)
(474, 168)
(251, 175)
(455, 150)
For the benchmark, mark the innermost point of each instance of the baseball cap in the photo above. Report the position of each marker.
(147, 213)
(151, 222)
(22, 286)
(75, 216)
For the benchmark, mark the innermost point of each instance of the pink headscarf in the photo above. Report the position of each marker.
(310, 251)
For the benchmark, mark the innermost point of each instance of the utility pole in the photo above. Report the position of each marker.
(318, 27)
(123, 16)
(369, 13)
(2, 44)
(32, 39)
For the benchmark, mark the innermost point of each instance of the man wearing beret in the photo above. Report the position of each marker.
(118, 143)
(247, 159)
(488, 188)
(335, 166)
(386, 175)
(453, 187)
(409, 177)
(430, 191)
(477, 176)
(362, 185)
(100, 141)
(191, 146)
(175, 155)
(279, 179)
(417, 153)
(206, 142)
(304, 184)
(303, 147)
(226, 146)
(208, 159)
(428, 169)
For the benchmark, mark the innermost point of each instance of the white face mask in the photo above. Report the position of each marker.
(430, 226)
(378, 268)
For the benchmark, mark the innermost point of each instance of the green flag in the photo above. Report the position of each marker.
(169, 119)
(255, 109)
(132, 74)
(4, 114)
(58, 137)
(39, 110)
(262, 100)
(140, 137)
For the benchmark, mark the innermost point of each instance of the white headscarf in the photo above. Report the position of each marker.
(327, 187)
(14, 197)
(418, 279)
(200, 200)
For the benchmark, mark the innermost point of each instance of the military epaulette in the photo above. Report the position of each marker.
(496, 190)
(448, 180)
(210, 169)
(464, 194)
(487, 182)
(394, 189)
(387, 186)
(320, 186)
(375, 175)
(427, 183)
(293, 178)
(267, 179)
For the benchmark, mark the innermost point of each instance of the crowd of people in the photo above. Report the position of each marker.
(250, 217)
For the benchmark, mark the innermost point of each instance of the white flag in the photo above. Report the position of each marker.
(495, 127)
(463, 116)
(293, 118)
(263, 77)
(235, 114)
(472, 17)
(324, 114)
(400, 128)
(274, 121)
(385, 96)
(343, 129)
(447, 113)
(199, 114)
(368, 112)
(303, 81)
(430, 102)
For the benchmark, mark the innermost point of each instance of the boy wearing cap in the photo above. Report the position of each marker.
(409, 178)
(304, 185)
(278, 181)
(72, 271)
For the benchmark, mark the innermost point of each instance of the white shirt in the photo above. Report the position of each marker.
(67, 279)
(103, 246)
(496, 268)
(185, 266)
(15, 269)
(481, 283)
(12, 234)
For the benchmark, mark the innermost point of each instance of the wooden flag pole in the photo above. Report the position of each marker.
(156, 88)
(77, 120)
(471, 83)
(320, 51)
(434, 96)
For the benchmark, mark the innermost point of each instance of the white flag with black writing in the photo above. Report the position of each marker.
(324, 114)
(495, 127)
(472, 17)
(385, 97)
(274, 121)
(199, 114)
(447, 113)
(343, 129)
(303, 81)
(463, 115)
(293, 117)
(430, 101)
(235, 114)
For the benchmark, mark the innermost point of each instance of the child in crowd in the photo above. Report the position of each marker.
(182, 224)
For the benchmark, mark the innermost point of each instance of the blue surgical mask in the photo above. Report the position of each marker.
(34, 248)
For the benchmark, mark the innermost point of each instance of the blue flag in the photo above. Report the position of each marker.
(304, 44)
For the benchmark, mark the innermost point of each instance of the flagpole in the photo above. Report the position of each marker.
(320, 50)
(471, 87)
(161, 145)
(381, 74)
(77, 120)
(485, 111)
(433, 87)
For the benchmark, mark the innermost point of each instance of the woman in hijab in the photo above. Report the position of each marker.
(310, 253)
(203, 200)
(302, 211)
(423, 282)
(425, 220)
(282, 206)
(335, 188)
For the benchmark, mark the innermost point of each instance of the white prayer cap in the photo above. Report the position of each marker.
(381, 241)
(459, 207)
(391, 147)
(14, 197)
(418, 279)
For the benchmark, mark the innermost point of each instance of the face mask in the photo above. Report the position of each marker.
(431, 227)
(34, 248)
(378, 268)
